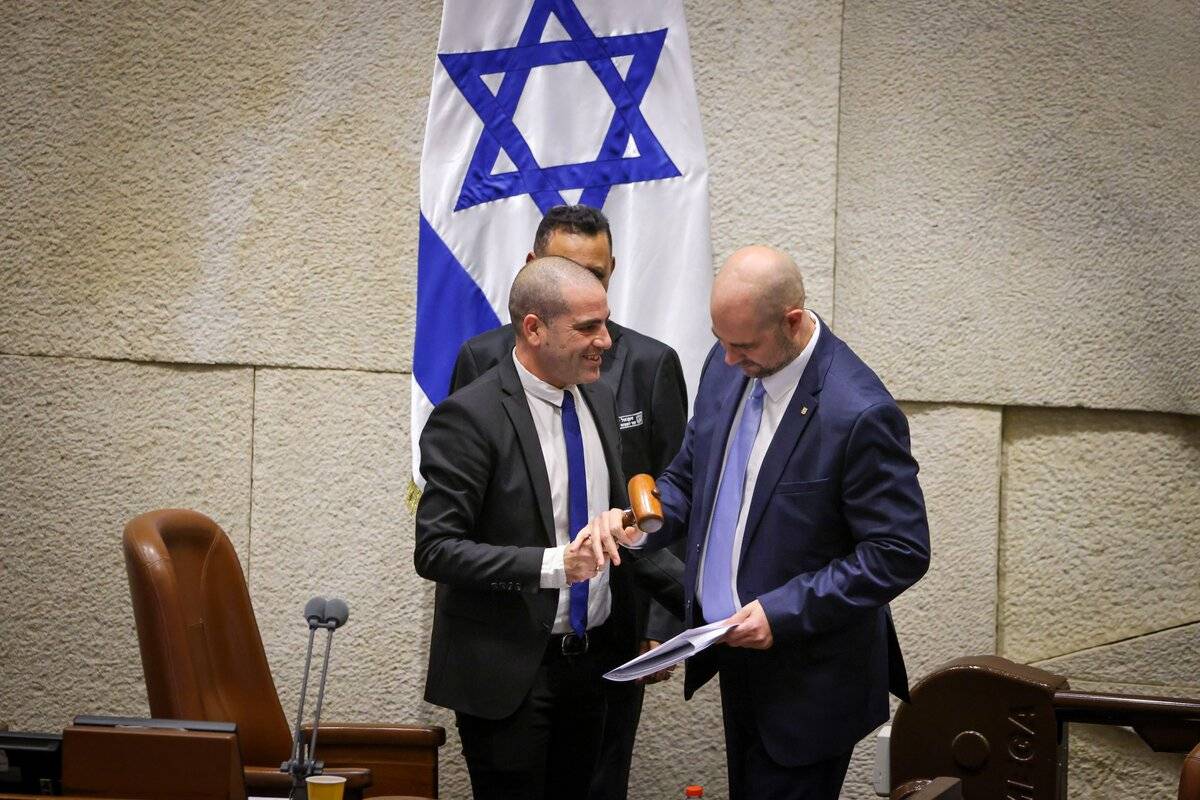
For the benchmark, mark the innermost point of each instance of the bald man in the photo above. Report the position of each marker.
(528, 614)
(799, 501)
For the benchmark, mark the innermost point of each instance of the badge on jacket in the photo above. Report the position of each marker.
(627, 421)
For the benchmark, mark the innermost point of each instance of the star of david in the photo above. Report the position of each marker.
(543, 184)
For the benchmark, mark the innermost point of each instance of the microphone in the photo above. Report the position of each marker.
(314, 611)
(318, 613)
(337, 611)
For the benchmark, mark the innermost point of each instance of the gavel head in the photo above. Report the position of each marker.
(644, 507)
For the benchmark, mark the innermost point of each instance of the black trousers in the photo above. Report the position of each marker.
(548, 748)
(624, 702)
(753, 774)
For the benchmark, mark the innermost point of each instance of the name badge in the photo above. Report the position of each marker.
(627, 421)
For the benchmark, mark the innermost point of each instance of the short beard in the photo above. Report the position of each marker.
(790, 352)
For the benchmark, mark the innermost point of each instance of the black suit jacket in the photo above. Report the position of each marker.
(483, 523)
(645, 376)
(643, 373)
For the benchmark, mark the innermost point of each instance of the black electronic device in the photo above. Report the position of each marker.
(30, 763)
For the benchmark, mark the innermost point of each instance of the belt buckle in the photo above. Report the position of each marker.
(574, 645)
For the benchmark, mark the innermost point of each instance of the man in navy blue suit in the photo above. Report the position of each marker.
(798, 497)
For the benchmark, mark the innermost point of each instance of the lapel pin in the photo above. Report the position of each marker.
(803, 410)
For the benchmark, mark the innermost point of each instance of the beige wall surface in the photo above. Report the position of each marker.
(1021, 181)
(207, 271)
(213, 184)
(86, 445)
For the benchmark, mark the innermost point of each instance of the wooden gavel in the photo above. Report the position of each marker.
(644, 510)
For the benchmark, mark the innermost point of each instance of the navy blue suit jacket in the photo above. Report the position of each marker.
(835, 530)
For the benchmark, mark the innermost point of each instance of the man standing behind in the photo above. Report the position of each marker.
(799, 501)
(646, 377)
(528, 614)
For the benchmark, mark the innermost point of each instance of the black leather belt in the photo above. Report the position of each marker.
(567, 644)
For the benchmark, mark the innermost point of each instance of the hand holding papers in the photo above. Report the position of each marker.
(672, 652)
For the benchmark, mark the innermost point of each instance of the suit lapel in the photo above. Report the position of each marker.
(787, 436)
(517, 408)
(606, 425)
(613, 361)
(801, 408)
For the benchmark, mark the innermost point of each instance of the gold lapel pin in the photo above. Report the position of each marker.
(803, 410)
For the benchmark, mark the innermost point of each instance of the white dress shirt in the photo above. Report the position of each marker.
(778, 390)
(545, 404)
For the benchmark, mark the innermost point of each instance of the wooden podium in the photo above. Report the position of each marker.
(129, 758)
(151, 763)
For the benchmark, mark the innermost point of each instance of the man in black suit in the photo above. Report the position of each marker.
(531, 608)
(646, 377)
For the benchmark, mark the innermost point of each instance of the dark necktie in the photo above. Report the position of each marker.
(577, 503)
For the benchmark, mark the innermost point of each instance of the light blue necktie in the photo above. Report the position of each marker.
(577, 507)
(716, 598)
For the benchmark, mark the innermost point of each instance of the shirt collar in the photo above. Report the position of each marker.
(783, 383)
(535, 386)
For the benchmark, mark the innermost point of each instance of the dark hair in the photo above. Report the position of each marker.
(580, 219)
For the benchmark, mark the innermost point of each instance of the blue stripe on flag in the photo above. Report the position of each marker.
(451, 308)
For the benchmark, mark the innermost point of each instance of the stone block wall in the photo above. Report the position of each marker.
(207, 271)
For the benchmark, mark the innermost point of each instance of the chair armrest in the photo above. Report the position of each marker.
(379, 734)
(269, 782)
(403, 759)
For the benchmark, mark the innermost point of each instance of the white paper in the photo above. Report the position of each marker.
(671, 652)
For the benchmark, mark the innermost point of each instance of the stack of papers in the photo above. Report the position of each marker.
(671, 652)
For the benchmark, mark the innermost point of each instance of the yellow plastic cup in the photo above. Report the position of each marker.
(325, 787)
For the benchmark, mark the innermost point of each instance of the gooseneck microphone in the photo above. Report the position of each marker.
(337, 611)
(314, 610)
(318, 613)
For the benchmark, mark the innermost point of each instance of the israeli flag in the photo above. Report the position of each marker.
(551, 102)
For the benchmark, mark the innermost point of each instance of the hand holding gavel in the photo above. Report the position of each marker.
(596, 545)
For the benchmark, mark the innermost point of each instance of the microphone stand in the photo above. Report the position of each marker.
(302, 764)
(298, 765)
(318, 766)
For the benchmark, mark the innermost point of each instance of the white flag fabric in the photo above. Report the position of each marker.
(549, 102)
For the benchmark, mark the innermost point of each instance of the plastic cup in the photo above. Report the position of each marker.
(325, 787)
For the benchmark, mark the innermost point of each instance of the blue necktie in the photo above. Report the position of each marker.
(577, 503)
(716, 598)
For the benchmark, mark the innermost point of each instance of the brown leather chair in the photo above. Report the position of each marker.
(203, 659)
(1189, 776)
